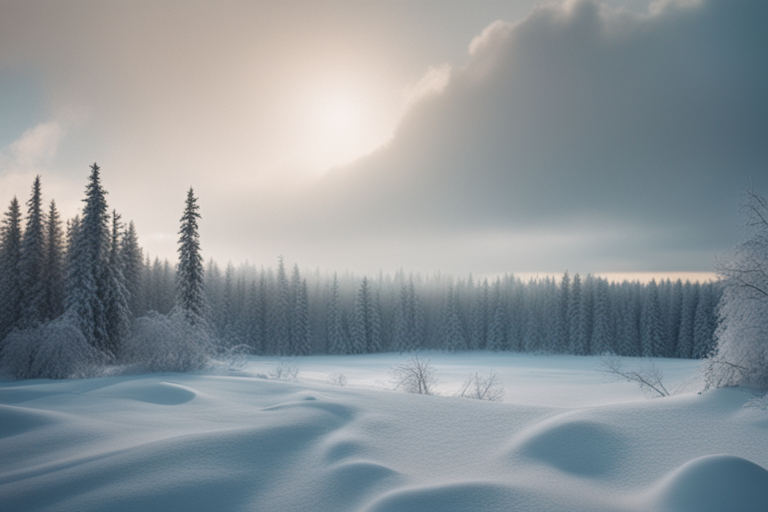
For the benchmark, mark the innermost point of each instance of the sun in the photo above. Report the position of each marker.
(339, 116)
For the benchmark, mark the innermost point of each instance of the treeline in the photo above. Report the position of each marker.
(279, 312)
(81, 295)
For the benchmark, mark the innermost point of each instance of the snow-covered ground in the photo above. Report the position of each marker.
(565, 438)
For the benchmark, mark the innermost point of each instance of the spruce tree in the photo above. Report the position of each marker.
(601, 333)
(453, 334)
(652, 327)
(688, 320)
(301, 336)
(497, 328)
(53, 267)
(366, 331)
(88, 254)
(31, 262)
(280, 314)
(133, 270)
(10, 284)
(189, 282)
(563, 322)
(115, 296)
(338, 341)
(480, 317)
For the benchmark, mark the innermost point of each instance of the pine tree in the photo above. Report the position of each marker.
(280, 315)
(114, 292)
(338, 341)
(453, 338)
(88, 255)
(10, 284)
(190, 286)
(480, 320)
(53, 267)
(563, 339)
(601, 334)
(31, 262)
(301, 336)
(652, 330)
(675, 317)
(497, 328)
(574, 315)
(688, 320)
(366, 330)
(705, 322)
(133, 270)
(401, 338)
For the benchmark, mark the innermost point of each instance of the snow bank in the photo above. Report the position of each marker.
(205, 442)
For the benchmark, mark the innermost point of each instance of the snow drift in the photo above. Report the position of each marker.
(236, 442)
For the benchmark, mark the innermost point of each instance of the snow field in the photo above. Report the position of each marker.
(235, 442)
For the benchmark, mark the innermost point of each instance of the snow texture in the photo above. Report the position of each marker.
(564, 439)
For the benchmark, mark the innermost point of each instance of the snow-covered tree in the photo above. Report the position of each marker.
(115, 296)
(10, 254)
(300, 334)
(602, 341)
(280, 313)
(366, 330)
(687, 320)
(31, 262)
(652, 325)
(452, 336)
(338, 341)
(88, 255)
(189, 281)
(133, 270)
(741, 354)
(53, 267)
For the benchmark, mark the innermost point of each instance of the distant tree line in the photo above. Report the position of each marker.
(273, 314)
(83, 295)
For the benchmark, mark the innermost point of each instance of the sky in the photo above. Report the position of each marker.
(459, 136)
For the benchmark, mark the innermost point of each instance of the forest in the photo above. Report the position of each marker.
(82, 294)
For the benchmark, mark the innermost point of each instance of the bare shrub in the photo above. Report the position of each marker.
(481, 387)
(285, 370)
(414, 376)
(338, 379)
(648, 375)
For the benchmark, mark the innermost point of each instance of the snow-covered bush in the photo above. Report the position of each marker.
(53, 350)
(168, 343)
(741, 355)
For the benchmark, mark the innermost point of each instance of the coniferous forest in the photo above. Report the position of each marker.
(80, 295)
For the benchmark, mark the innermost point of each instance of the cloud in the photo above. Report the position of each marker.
(633, 131)
(35, 148)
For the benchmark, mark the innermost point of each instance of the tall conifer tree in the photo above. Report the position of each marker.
(88, 255)
(31, 262)
(10, 254)
(53, 266)
(189, 284)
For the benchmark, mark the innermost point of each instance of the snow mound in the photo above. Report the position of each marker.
(160, 393)
(455, 497)
(714, 483)
(577, 446)
(17, 420)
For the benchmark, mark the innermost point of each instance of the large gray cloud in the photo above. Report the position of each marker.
(625, 138)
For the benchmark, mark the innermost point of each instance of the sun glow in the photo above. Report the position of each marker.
(336, 121)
